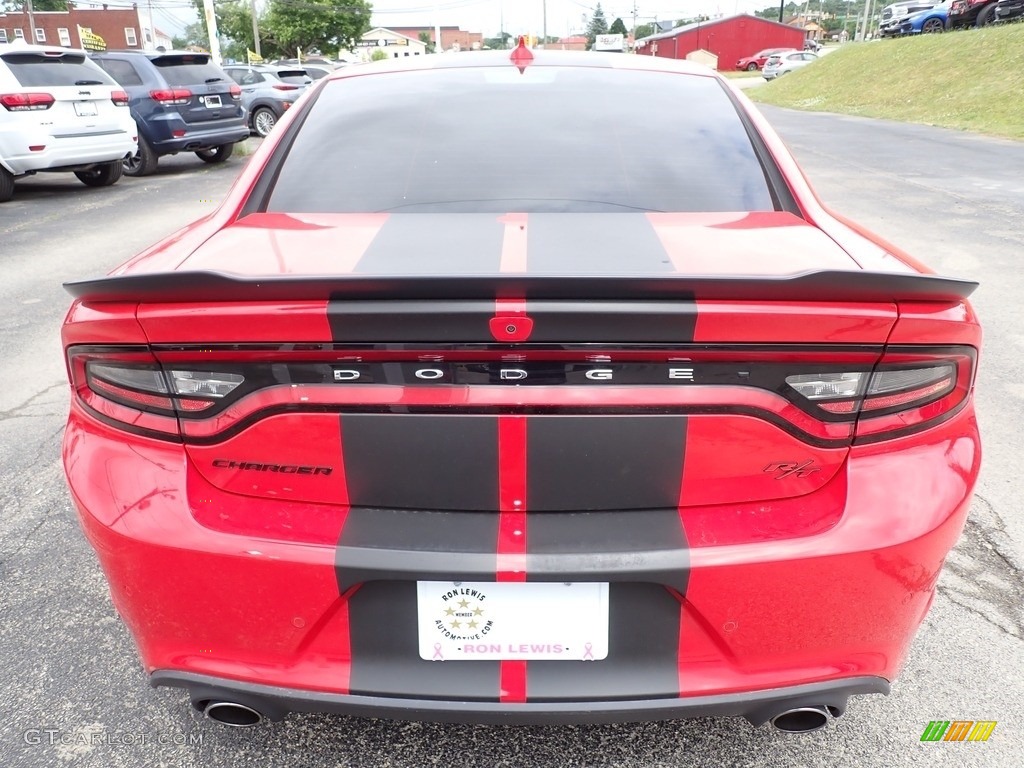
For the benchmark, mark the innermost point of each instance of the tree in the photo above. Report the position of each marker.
(498, 43)
(617, 28)
(193, 35)
(318, 25)
(378, 55)
(37, 5)
(424, 37)
(598, 26)
(644, 30)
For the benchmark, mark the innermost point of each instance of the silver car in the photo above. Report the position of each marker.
(783, 63)
(267, 91)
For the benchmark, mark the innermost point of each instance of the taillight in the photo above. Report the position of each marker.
(285, 87)
(236, 92)
(120, 98)
(170, 97)
(907, 391)
(128, 386)
(26, 102)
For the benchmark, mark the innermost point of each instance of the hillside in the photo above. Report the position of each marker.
(971, 79)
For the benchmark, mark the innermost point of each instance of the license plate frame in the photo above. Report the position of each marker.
(533, 621)
(86, 109)
(213, 102)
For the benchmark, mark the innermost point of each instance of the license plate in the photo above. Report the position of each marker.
(85, 108)
(463, 621)
(213, 102)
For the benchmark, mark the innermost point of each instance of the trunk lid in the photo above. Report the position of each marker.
(561, 362)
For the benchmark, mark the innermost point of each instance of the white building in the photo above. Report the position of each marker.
(394, 45)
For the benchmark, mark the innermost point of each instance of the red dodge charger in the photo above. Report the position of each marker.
(486, 396)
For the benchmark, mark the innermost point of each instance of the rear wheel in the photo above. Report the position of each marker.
(985, 17)
(933, 25)
(752, 66)
(143, 162)
(6, 185)
(217, 154)
(102, 175)
(263, 121)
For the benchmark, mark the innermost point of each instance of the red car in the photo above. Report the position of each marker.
(756, 62)
(476, 401)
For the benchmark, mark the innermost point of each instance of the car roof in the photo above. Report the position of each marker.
(541, 58)
(153, 54)
(18, 47)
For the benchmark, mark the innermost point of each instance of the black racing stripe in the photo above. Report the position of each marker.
(637, 545)
(420, 461)
(385, 651)
(383, 544)
(653, 322)
(579, 463)
(643, 646)
(562, 322)
(594, 244)
(414, 244)
(409, 322)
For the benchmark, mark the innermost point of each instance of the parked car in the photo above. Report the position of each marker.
(892, 16)
(971, 13)
(1009, 10)
(181, 101)
(267, 91)
(317, 68)
(780, 64)
(436, 418)
(60, 113)
(926, 22)
(757, 61)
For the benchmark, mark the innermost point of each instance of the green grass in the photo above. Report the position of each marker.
(971, 79)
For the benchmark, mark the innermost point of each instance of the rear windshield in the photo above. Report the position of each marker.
(297, 76)
(488, 139)
(188, 70)
(36, 70)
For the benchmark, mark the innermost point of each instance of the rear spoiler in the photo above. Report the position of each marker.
(165, 287)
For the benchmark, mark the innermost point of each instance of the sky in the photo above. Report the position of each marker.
(564, 17)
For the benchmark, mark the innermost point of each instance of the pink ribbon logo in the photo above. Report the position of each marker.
(588, 652)
(437, 653)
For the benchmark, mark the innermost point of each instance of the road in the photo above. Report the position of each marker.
(74, 693)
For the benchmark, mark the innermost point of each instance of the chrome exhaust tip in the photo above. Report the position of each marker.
(801, 720)
(233, 714)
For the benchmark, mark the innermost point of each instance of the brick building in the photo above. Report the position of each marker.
(451, 37)
(119, 28)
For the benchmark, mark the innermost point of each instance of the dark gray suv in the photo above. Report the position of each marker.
(181, 101)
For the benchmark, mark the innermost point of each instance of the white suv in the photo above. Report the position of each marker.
(60, 112)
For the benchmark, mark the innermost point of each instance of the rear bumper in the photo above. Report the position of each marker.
(197, 136)
(757, 707)
(236, 595)
(62, 153)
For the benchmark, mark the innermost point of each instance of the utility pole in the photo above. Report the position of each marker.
(633, 47)
(544, 26)
(438, 48)
(211, 28)
(152, 29)
(31, 21)
(255, 30)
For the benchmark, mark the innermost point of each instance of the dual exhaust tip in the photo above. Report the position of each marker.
(797, 720)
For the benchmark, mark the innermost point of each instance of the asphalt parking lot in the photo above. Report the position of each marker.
(73, 692)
